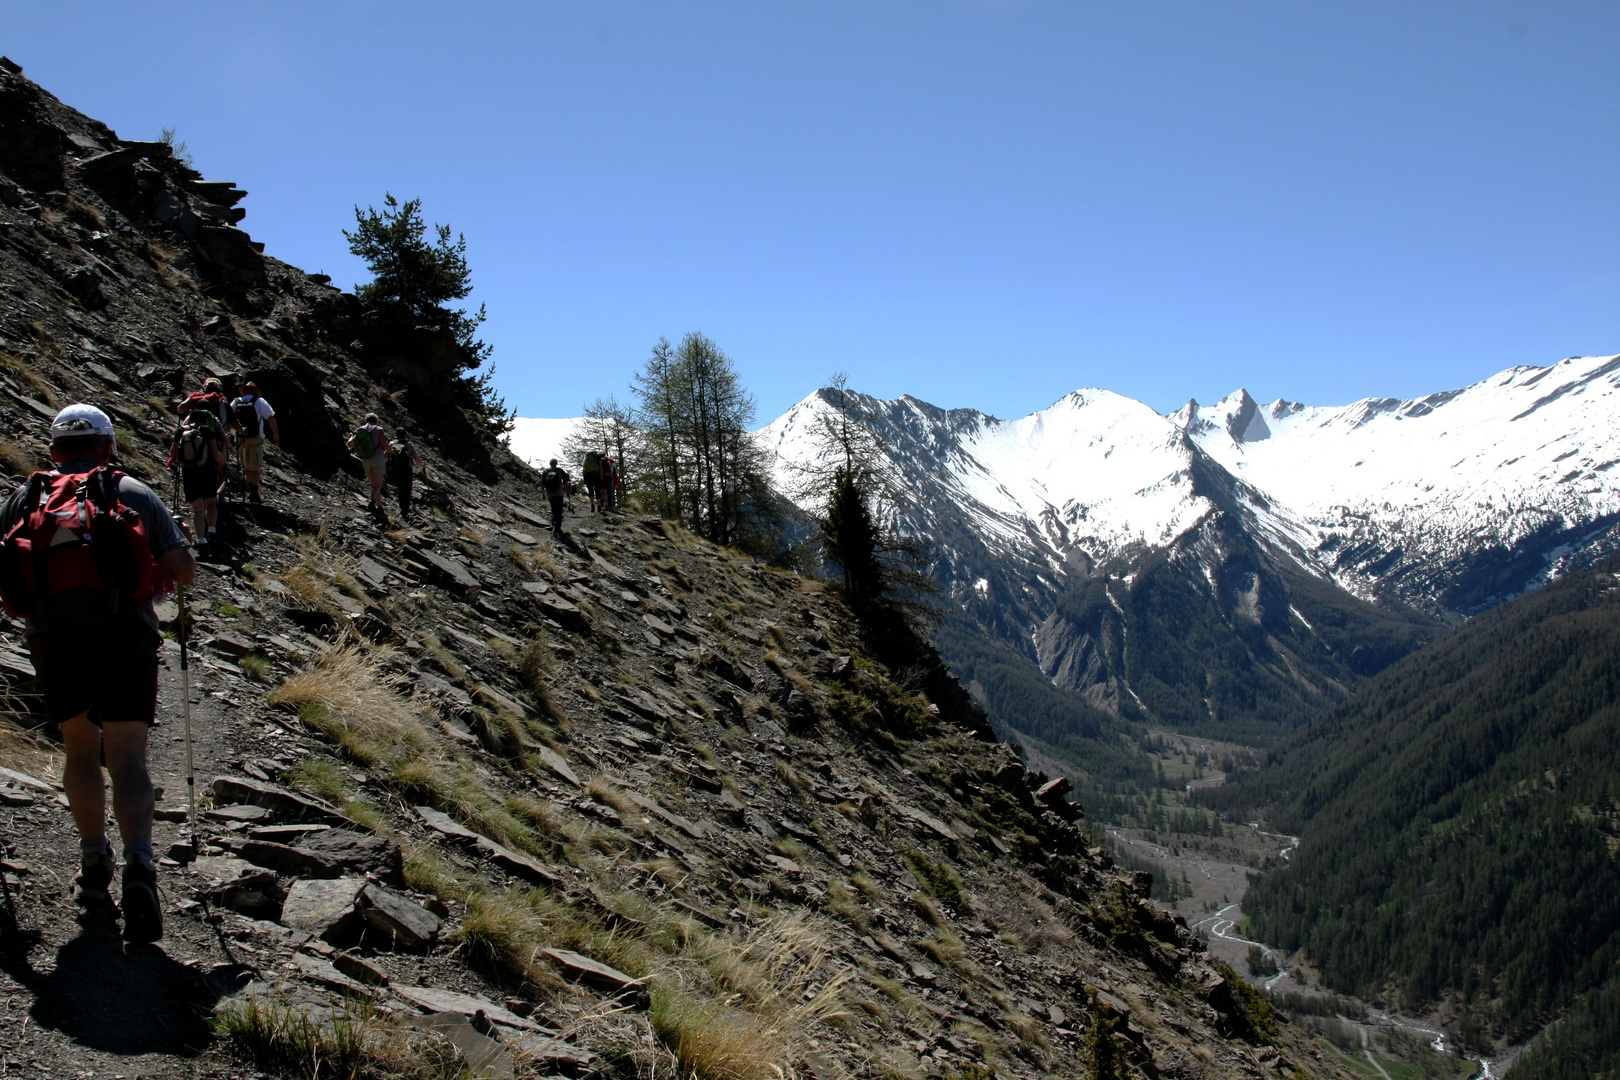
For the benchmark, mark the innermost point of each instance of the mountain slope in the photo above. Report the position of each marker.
(1459, 819)
(612, 803)
(1124, 565)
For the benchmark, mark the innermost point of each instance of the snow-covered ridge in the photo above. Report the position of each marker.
(1378, 490)
(1095, 466)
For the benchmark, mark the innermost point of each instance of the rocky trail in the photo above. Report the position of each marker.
(478, 800)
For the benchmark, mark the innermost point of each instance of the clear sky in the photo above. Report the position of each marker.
(983, 203)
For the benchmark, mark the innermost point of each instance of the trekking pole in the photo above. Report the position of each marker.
(185, 689)
(185, 684)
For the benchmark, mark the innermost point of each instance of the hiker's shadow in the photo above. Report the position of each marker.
(111, 997)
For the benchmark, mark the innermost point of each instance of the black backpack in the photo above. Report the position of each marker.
(553, 480)
(400, 463)
(246, 411)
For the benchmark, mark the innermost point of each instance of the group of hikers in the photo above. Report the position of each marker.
(85, 550)
(383, 461)
(601, 479)
(210, 424)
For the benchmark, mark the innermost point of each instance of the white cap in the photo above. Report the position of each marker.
(81, 420)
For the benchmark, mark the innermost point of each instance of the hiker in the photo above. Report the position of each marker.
(252, 416)
(210, 398)
(593, 476)
(610, 482)
(556, 484)
(198, 448)
(368, 443)
(95, 643)
(403, 461)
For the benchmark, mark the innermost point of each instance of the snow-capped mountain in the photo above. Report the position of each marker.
(1217, 563)
(1511, 476)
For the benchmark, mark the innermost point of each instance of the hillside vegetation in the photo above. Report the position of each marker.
(1460, 819)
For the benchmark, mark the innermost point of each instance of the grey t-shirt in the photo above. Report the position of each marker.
(163, 535)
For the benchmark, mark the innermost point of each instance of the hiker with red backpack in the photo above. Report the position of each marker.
(369, 443)
(253, 417)
(197, 447)
(83, 549)
(211, 398)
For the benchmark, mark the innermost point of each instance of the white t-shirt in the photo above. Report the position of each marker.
(261, 409)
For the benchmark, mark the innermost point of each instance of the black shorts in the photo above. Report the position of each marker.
(199, 482)
(592, 482)
(111, 669)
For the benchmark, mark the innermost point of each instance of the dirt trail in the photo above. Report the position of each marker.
(74, 999)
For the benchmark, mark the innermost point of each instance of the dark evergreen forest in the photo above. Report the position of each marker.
(1460, 819)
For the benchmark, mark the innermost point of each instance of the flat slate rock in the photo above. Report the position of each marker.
(562, 611)
(321, 973)
(456, 576)
(326, 908)
(594, 972)
(360, 852)
(237, 884)
(555, 1055)
(279, 801)
(487, 1058)
(404, 920)
(25, 780)
(440, 822)
(515, 862)
(239, 812)
(218, 872)
(557, 764)
(433, 999)
(282, 858)
(691, 828)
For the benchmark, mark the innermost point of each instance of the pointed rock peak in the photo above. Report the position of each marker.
(1244, 423)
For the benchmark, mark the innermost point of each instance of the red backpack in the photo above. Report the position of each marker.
(77, 553)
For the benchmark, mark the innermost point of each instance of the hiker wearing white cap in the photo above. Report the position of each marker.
(94, 641)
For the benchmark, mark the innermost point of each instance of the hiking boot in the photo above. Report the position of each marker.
(143, 916)
(94, 876)
(253, 496)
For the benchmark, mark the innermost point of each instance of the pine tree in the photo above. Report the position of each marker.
(700, 464)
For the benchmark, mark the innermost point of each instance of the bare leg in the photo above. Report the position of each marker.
(81, 776)
(132, 784)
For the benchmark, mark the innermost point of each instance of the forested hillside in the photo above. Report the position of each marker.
(1460, 819)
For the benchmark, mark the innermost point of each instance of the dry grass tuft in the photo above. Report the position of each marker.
(790, 776)
(353, 1041)
(608, 795)
(23, 749)
(20, 460)
(535, 662)
(348, 694)
(778, 984)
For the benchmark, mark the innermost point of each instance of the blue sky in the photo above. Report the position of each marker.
(983, 203)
